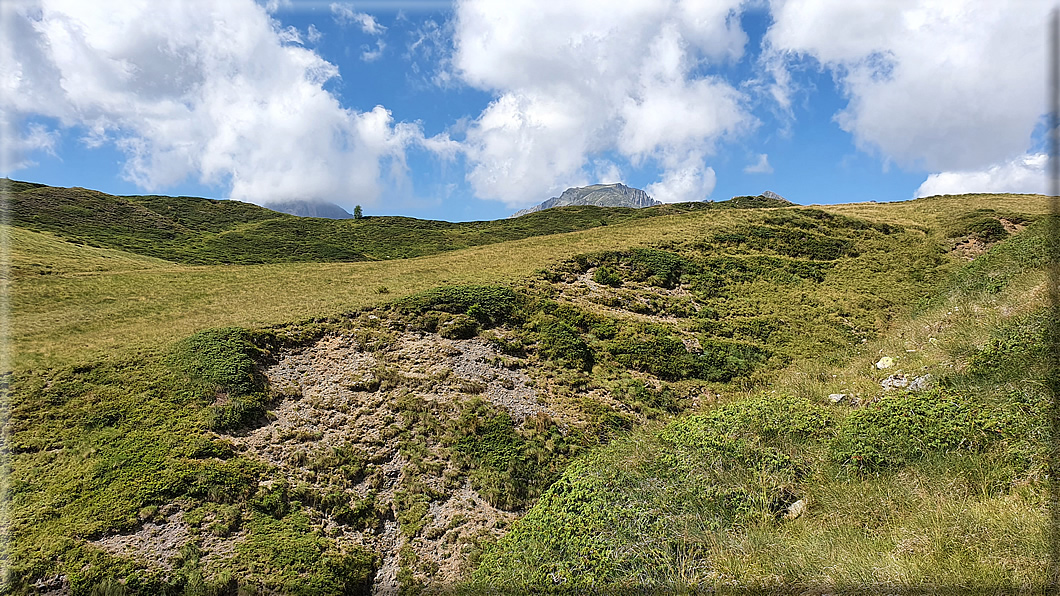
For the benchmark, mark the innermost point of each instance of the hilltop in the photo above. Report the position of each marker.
(706, 397)
(209, 231)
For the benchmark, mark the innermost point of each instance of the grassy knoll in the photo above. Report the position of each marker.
(681, 368)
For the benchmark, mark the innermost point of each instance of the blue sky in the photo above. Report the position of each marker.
(472, 109)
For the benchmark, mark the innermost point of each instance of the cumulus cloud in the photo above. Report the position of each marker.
(1025, 174)
(213, 90)
(580, 78)
(689, 180)
(761, 166)
(936, 84)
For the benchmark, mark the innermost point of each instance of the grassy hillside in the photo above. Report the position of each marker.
(206, 231)
(940, 488)
(637, 405)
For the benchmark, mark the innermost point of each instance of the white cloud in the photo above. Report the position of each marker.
(606, 171)
(690, 180)
(580, 78)
(761, 166)
(370, 55)
(1025, 174)
(345, 15)
(313, 34)
(430, 54)
(289, 35)
(937, 84)
(196, 89)
(16, 148)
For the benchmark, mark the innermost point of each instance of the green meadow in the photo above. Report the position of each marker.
(686, 360)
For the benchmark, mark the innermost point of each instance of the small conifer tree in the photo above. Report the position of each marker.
(357, 212)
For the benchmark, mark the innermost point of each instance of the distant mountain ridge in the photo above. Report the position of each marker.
(600, 195)
(310, 209)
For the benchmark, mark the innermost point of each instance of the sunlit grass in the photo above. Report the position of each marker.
(74, 314)
(101, 412)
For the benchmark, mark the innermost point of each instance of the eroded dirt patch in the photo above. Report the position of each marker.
(344, 400)
(157, 542)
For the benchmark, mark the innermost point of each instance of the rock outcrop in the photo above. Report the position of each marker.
(601, 195)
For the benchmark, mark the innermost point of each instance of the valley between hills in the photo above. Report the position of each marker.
(208, 397)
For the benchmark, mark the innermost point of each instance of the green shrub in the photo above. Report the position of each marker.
(659, 267)
(562, 344)
(982, 224)
(607, 276)
(237, 411)
(788, 242)
(903, 428)
(765, 416)
(506, 465)
(459, 327)
(653, 349)
(272, 500)
(599, 326)
(489, 305)
(1016, 348)
(223, 358)
(990, 273)
(287, 556)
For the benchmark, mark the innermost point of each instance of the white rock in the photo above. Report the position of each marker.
(836, 397)
(897, 381)
(921, 383)
(795, 509)
(885, 362)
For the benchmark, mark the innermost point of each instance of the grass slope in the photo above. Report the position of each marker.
(940, 489)
(130, 378)
(206, 231)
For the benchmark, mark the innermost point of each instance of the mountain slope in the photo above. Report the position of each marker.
(310, 209)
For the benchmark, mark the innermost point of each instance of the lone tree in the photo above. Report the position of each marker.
(357, 212)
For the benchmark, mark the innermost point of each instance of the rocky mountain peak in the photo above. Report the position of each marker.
(601, 195)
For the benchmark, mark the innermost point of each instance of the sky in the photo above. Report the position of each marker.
(472, 109)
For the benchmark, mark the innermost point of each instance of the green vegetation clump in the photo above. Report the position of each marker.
(983, 225)
(1014, 349)
(222, 359)
(284, 555)
(222, 362)
(563, 344)
(902, 429)
(654, 349)
(607, 276)
(489, 305)
(992, 272)
(788, 242)
(701, 473)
